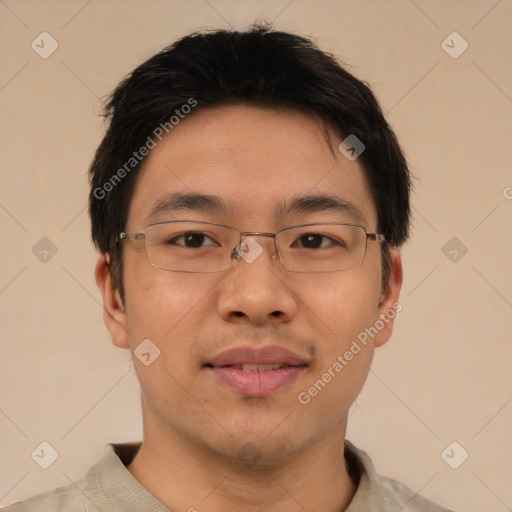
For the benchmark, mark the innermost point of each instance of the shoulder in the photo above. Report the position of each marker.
(68, 498)
(106, 486)
(375, 492)
(399, 495)
(83, 495)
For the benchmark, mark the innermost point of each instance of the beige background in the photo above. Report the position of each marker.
(445, 375)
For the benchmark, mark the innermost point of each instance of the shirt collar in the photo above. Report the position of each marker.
(126, 493)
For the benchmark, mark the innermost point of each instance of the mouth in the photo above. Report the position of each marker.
(257, 372)
(257, 367)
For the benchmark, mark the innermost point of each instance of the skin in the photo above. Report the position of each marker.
(195, 427)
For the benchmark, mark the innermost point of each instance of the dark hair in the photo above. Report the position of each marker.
(260, 67)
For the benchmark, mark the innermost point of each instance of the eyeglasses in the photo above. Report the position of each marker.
(194, 246)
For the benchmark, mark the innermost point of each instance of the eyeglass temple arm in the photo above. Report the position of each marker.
(130, 236)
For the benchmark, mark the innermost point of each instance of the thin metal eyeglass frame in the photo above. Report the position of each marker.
(374, 237)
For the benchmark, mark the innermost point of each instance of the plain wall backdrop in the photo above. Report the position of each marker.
(444, 376)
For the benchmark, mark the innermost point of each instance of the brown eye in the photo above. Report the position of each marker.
(314, 241)
(192, 240)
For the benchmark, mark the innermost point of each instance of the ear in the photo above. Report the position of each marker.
(389, 306)
(114, 314)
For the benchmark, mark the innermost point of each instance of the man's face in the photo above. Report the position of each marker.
(254, 160)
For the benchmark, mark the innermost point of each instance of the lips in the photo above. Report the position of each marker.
(258, 367)
(257, 371)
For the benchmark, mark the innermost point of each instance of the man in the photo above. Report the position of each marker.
(248, 202)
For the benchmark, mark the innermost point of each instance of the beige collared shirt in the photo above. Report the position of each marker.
(108, 486)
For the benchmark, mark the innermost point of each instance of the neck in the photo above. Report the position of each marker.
(187, 477)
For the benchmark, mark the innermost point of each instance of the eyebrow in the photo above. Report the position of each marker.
(179, 201)
(206, 203)
(328, 203)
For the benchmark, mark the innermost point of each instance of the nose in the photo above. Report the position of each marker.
(255, 290)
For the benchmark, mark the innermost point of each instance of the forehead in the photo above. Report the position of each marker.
(257, 161)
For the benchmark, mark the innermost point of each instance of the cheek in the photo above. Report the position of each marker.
(342, 307)
(157, 301)
(340, 311)
(155, 304)
(164, 308)
(170, 309)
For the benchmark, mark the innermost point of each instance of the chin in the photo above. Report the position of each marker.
(254, 454)
(262, 448)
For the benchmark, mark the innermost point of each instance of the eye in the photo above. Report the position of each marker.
(192, 240)
(315, 241)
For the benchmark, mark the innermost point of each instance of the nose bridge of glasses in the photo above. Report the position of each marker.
(246, 234)
(243, 245)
